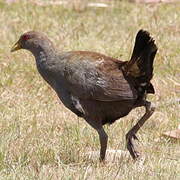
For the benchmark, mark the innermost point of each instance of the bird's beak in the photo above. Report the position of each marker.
(16, 47)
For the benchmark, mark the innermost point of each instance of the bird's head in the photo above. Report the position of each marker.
(31, 40)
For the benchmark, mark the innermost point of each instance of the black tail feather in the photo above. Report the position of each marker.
(142, 39)
(140, 65)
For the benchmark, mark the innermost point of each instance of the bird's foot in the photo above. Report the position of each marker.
(130, 137)
(102, 161)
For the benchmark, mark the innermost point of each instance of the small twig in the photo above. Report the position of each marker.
(175, 82)
(154, 1)
(40, 3)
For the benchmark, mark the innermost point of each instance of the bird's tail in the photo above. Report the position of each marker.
(140, 65)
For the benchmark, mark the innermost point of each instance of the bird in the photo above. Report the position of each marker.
(96, 87)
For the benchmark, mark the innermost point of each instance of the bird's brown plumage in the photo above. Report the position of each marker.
(99, 88)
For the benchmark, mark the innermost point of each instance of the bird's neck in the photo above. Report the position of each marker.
(43, 57)
(44, 54)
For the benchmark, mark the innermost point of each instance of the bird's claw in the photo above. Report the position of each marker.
(130, 146)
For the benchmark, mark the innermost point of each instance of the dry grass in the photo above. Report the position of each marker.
(40, 139)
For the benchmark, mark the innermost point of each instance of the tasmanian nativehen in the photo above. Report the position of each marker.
(96, 87)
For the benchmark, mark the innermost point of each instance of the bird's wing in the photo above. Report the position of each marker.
(97, 77)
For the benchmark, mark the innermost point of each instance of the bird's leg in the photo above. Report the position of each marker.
(131, 134)
(103, 141)
(103, 137)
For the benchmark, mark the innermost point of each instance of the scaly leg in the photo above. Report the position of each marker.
(103, 137)
(103, 141)
(132, 133)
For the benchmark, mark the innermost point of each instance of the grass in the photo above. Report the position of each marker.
(40, 138)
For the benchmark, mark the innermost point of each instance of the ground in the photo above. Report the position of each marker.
(40, 138)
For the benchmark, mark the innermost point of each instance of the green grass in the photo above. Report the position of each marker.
(40, 138)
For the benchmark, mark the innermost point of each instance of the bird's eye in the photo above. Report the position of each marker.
(26, 37)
